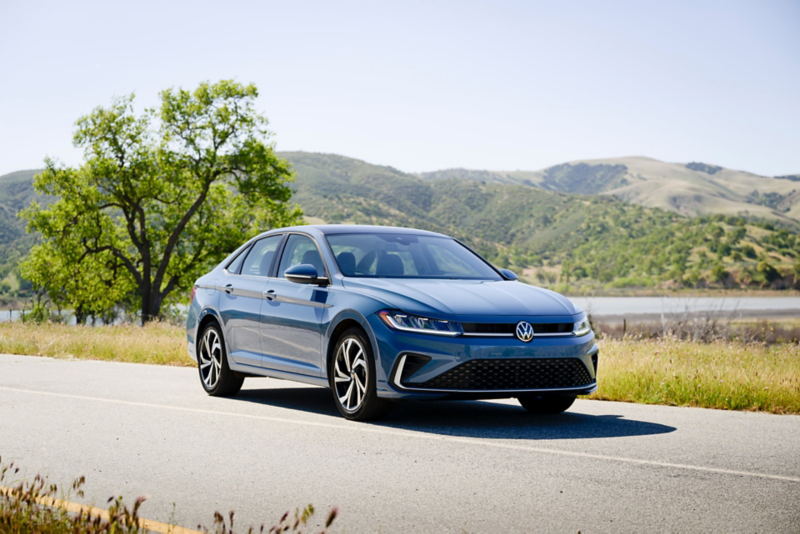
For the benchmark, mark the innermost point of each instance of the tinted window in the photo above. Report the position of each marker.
(299, 250)
(261, 255)
(233, 267)
(407, 256)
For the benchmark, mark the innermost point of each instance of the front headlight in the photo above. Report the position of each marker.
(582, 328)
(420, 325)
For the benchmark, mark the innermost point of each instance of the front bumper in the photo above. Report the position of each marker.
(438, 360)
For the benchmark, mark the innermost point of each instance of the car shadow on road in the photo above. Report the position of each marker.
(477, 419)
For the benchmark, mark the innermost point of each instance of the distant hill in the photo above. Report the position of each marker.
(535, 223)
(552, 235)
(16, 193)
(691, 189)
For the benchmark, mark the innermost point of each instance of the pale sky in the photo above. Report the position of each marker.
(427, 85)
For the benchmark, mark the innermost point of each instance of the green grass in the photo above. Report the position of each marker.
(723, 375)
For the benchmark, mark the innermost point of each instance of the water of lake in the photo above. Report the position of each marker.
(649, 308)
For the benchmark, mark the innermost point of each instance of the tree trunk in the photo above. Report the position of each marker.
(151, 307)
(80, 316)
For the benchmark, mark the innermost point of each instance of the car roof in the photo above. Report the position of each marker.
(326, 229)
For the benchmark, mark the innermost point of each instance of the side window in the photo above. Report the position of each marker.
(260, 257)
(233, 266)
(300, 249)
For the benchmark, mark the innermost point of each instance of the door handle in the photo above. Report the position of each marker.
(270, 294)
(229, 288)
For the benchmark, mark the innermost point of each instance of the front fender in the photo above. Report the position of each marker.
(357, 308)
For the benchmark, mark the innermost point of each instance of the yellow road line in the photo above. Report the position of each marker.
(370, 429)
(77, 508)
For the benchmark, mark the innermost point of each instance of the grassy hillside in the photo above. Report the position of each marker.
(16, 193)
(552, 238)
(691, 189)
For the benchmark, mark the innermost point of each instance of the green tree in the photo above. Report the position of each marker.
(715, 232)
(91, 285)
(766, 272)
(718, 273)
(736, 235)
(168, 192)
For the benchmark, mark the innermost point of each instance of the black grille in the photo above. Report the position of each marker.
(509, 328)
(483, 375)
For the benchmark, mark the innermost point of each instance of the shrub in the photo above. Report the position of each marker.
(718, 273)
(39, 314)
(631, 281)
(766, 272)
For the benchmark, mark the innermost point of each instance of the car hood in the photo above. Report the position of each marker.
(464, 297)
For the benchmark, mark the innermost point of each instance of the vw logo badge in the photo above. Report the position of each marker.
(524, 331)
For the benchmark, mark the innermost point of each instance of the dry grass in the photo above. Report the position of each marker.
(708, 329)
(727, 375)
(723, 375)
(38, 507)
(156, 343)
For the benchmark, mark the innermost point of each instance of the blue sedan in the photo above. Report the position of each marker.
(380, 314)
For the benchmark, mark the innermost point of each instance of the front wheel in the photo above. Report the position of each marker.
(546, 404)
(352, 377)
(217, 378)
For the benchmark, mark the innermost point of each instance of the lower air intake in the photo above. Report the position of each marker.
(482, 375)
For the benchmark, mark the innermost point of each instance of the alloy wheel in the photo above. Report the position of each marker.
(351, 374)
(210, 358)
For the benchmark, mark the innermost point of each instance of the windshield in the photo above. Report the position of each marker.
(407, 256)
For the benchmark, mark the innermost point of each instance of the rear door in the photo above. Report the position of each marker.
(291, 317)
(241, 298)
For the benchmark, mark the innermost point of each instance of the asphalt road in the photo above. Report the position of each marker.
(441, 467)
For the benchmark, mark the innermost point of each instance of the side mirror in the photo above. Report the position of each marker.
(508, 275)
(304, 273)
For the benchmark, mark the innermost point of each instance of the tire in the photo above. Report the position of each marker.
(212, 363)
(546, 404)
(353, 380)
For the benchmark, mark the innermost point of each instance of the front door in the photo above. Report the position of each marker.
(241, 299)
(292, 314)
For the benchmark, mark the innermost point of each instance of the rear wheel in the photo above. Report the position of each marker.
(352, 378)
(546, 404)
(217, 378)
